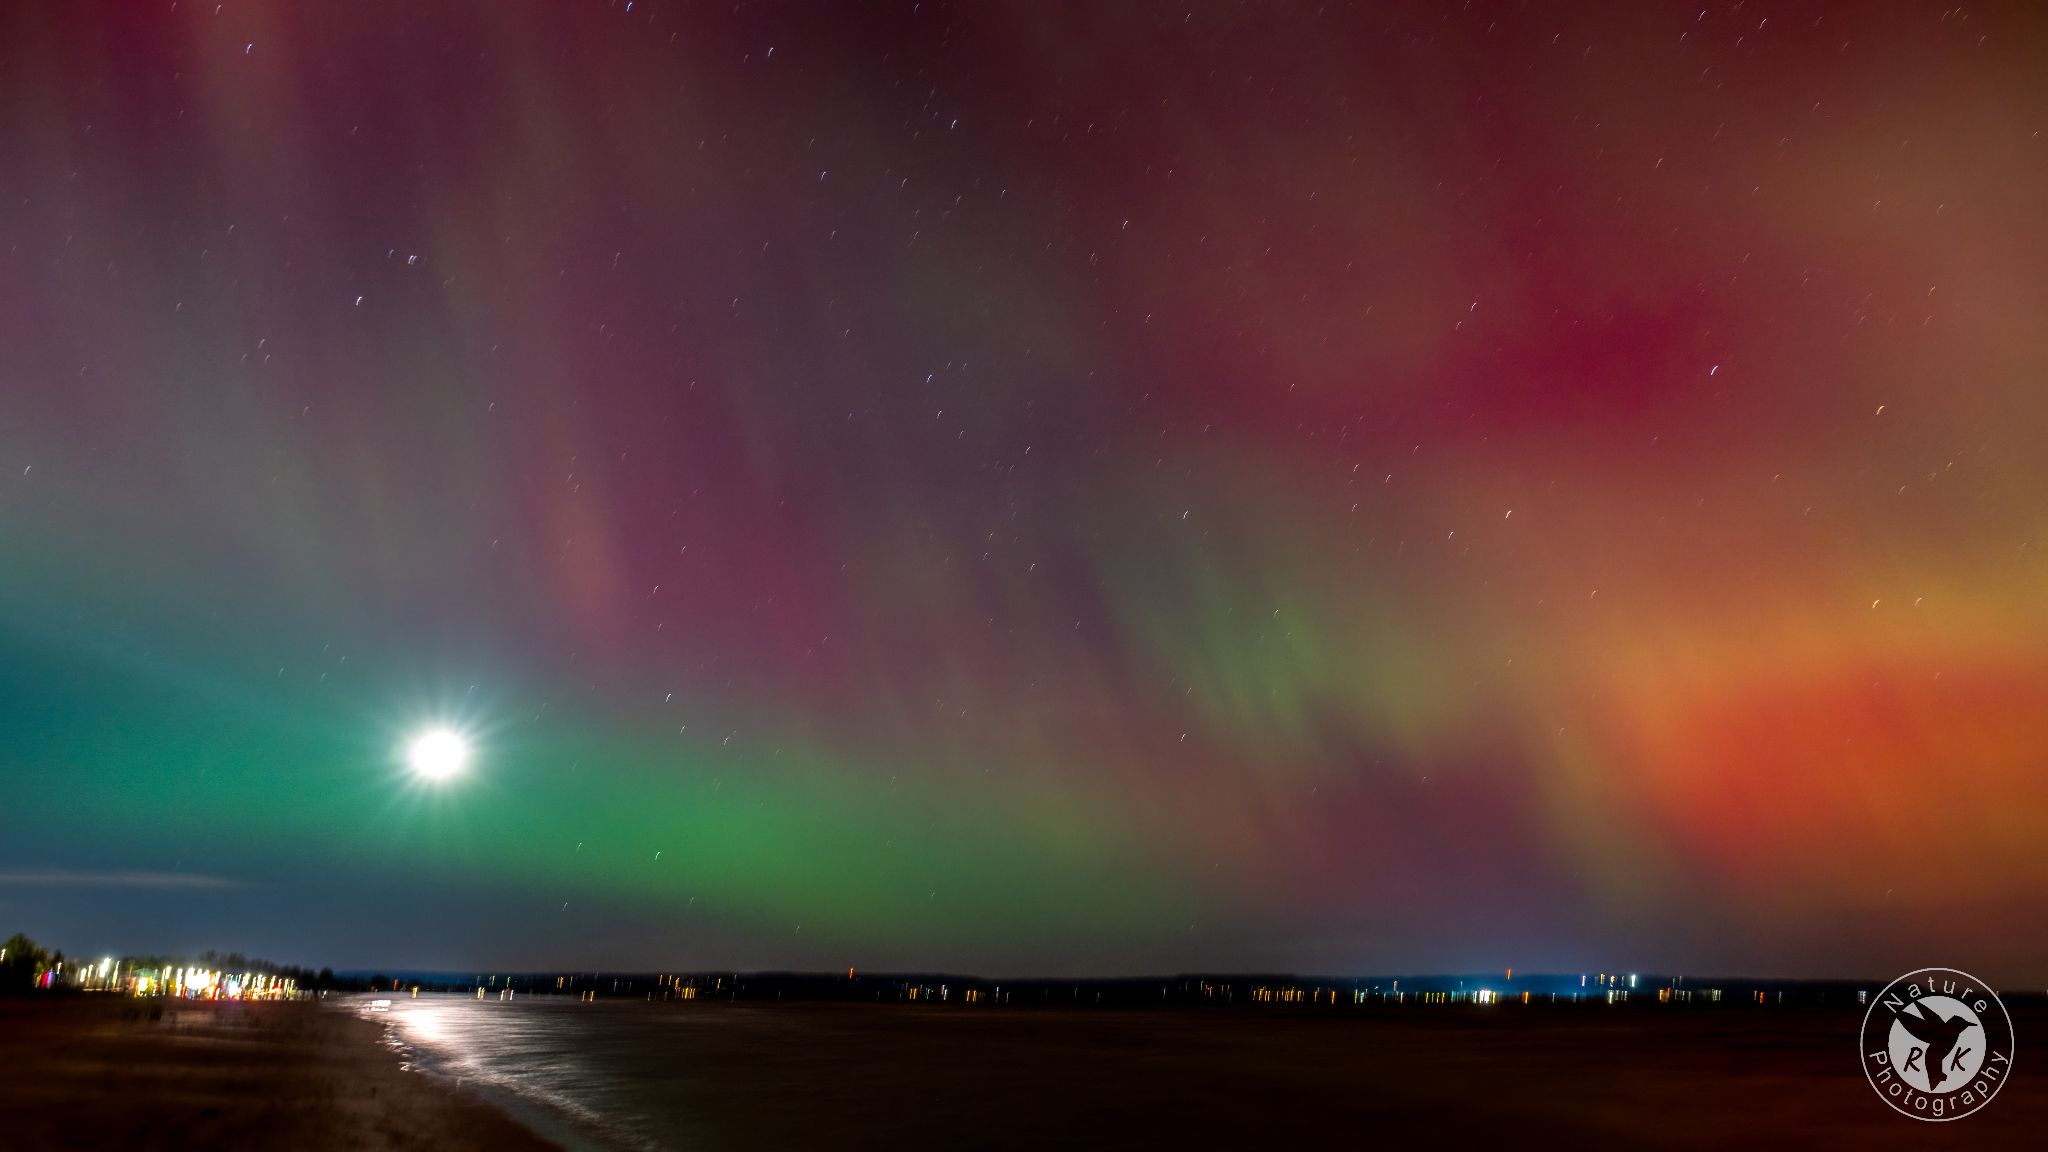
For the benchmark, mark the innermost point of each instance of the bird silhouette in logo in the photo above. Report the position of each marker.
(1924, 1024)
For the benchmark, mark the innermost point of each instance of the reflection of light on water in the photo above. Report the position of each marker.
(537, 1052)
(429, 1036)
(424, 1024)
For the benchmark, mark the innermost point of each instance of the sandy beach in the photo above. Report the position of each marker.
(102, 1072)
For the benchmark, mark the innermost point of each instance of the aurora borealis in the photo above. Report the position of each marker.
(1136, 488)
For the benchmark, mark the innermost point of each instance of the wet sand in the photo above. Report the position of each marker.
(101, 1072)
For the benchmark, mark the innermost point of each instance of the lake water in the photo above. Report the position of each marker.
(629, 1074)
(588, 1075)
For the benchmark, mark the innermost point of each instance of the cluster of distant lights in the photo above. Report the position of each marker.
(1614, 989)
(185, 983)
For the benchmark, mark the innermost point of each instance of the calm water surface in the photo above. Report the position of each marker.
(590, 1075)
(630, 1074)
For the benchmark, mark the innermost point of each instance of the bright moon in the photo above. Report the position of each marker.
(437, 753)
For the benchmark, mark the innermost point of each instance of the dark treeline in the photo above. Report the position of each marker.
(22, 963)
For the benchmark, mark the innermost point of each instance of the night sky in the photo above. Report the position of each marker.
(1139, 488)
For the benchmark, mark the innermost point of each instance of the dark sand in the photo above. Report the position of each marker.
(99, 1072)
(87, 1074)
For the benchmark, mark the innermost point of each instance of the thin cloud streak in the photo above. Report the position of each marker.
(53, 878)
